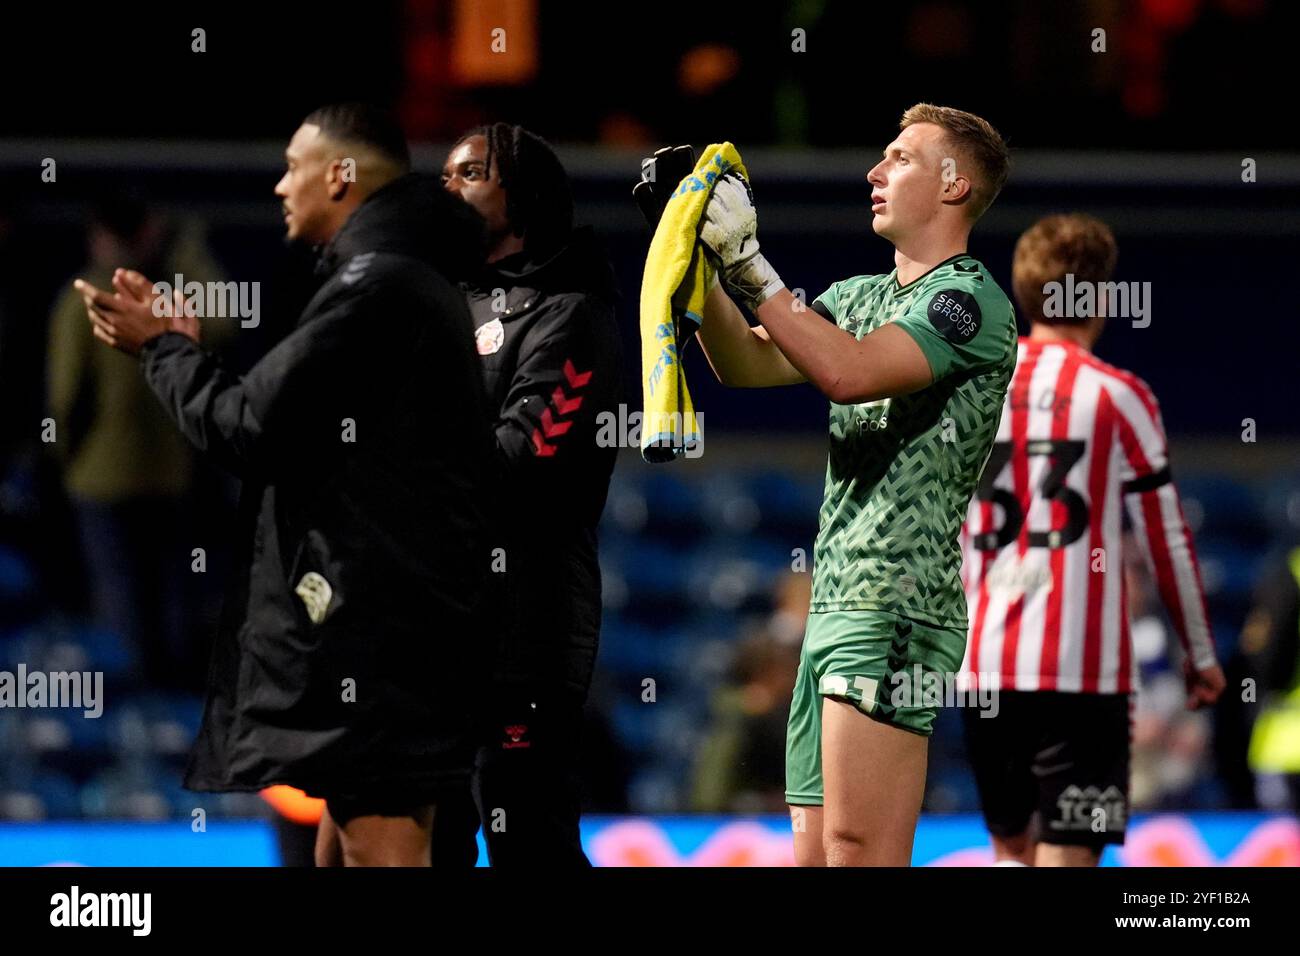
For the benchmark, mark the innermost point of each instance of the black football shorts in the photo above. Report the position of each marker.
(1061, 757)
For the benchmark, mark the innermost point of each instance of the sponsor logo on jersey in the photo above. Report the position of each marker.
(1017, 576)
(488, 338)
(955, 315)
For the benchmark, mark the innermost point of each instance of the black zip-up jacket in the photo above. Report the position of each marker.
(551, 355)
(364, 439)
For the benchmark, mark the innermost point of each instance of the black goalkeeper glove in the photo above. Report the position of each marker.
(660, 176)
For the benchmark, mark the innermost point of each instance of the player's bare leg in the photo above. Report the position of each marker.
(329, 846)
(1014, 849)
(1051, 854)
(376, 840)
(806, 822)
(874, 778)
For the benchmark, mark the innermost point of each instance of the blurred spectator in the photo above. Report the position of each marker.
(126, 470)
(741, 765)
(1270, 641)
(1171, 744)
(793, 595)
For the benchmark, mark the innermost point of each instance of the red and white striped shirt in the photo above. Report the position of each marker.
(1042, 544)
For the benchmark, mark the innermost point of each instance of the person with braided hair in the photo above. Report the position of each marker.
(543, 311)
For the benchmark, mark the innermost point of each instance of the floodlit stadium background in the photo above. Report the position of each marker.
(1151, 135)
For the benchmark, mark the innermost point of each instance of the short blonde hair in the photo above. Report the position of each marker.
(978, 140)
(1069, 243)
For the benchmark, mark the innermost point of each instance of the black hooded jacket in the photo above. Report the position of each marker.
(349, 644)
(551, 355)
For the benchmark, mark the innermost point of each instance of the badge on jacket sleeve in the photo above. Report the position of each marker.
(315, 592)
(489, 337)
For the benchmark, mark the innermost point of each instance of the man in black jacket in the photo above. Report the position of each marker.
(546, 336)
(351, 645)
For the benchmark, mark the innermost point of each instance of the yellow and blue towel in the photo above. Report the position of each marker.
(676, 281)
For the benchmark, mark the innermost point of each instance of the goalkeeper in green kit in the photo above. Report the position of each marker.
(916, 365)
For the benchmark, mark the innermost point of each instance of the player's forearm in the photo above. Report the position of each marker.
(885, 363)
(1186, 590)
(1172, 554)
(815, 347)
(738, 356)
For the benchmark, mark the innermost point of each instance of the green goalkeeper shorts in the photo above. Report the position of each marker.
(872, 659)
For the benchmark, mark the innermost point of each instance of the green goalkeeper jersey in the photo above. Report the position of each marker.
(901, 471)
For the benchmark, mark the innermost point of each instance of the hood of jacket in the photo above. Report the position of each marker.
(412, 215)
(580, 265)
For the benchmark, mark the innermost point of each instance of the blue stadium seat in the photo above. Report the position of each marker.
(1228, 570)
(132, 791)
(57, 645)
(632, 649)
(634, 730)
(737, 574)
(655, 791)
(182, 803)
(1221, 507)
(47, 732)
(674, 506)
(40, 796)
(626, 511)
(107, 652)
(678, 728)
(20, 647)
(173, 722)
(788, 502)
(654, 576)
(17, 578)
(128, 730)
(729, 507)
(69, 742)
